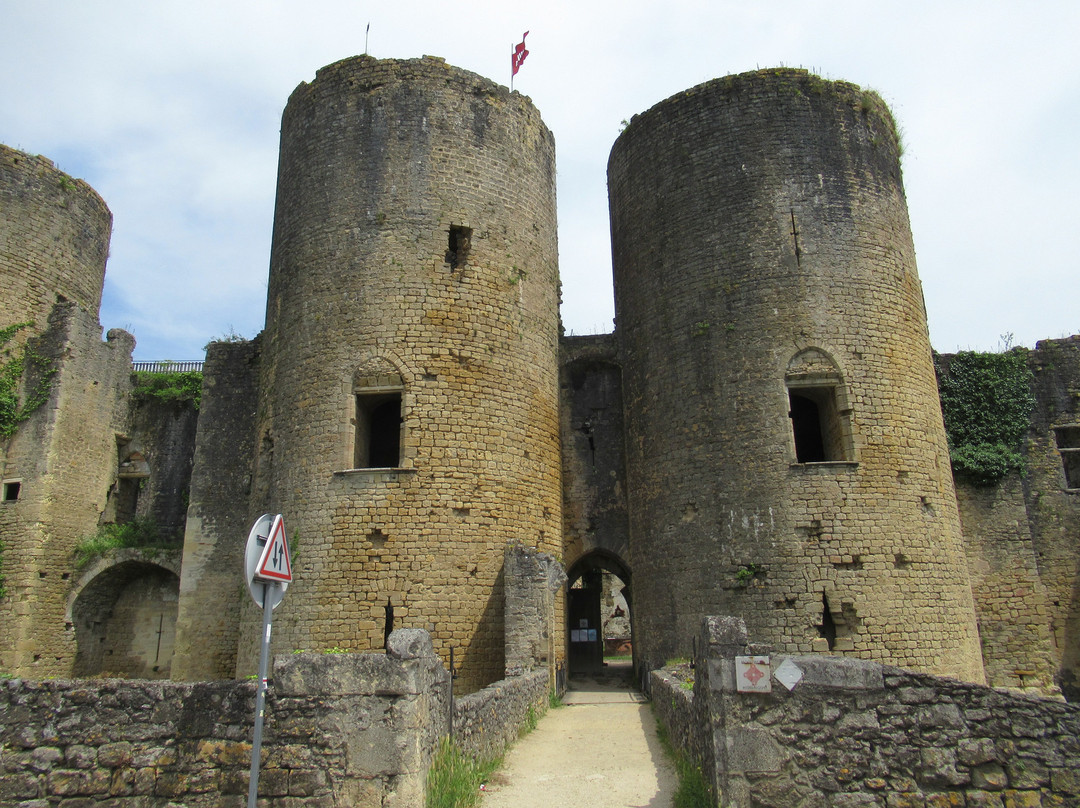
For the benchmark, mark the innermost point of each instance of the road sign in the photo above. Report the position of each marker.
(274, 564)
(257, 543)
(269, 571)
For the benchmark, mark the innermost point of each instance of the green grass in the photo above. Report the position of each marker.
(692, 791)
(454, 779)
(138, 532)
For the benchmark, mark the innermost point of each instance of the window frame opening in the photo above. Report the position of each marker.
(458, 243)
(380, 420)
(12, 490)
(819, 413)
(819, 424)
(1067, 438)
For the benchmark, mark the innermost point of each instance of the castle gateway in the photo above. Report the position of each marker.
(761, 436)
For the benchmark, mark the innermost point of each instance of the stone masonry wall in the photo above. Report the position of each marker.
(855, 733)
(163, 432)
(65, 457)
(533, 584)
(488, 721)
(54, 239)
(414, 256)
(1010, 599)
(762, 249)
(341, 731)
(218, 520)
(593, 449)
(1053, 507)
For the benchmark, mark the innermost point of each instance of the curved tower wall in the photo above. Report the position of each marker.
(414, 259)
(763, 258)
(54, 239)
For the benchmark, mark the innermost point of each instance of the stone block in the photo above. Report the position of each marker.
(345, 674)
(976, 751)
(837, 672)
(989, 777)
(1065, 781)
(409, 643)
(750, 749)
(725, 636)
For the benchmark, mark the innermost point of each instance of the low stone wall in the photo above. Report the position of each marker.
(854, 733)
(342, 730)
(679, 714)
(487, 721)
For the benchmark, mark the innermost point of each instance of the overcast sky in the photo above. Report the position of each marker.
(171, 111)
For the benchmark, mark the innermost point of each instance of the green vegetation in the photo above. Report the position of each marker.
(746, 573)
(987, 402)
(693, 791)
(14, 366)
(173, 385)
(139, 532)
(336, 650)
(454, 779)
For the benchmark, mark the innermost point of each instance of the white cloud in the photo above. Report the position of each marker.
(171, 112)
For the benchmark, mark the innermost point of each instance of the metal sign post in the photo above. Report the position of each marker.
(269, 572)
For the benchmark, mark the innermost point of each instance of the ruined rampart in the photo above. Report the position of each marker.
(847, 732)
(341, 731)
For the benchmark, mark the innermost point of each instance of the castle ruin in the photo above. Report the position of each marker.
(761, 436)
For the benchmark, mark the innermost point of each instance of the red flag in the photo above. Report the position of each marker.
(517, 58)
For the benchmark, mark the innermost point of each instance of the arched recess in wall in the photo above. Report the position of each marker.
(379, 406)
(123, 612)
(598, 610)
(819, 409)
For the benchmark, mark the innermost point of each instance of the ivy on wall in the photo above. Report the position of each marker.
(169, 386)
(987, 402)
(14, 364)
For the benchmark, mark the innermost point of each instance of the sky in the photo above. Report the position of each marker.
(171, 111)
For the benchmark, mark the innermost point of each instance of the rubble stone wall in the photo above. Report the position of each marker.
(341, 730)
(855, 733)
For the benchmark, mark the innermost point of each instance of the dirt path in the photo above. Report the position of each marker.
(600, 750)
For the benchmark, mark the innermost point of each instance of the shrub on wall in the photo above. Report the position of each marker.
(986, 400)
(172, 385)
(14, 366)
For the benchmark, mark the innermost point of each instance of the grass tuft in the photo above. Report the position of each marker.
(693, 791)
(454, 779)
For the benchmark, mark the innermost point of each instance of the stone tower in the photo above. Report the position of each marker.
(407, 425)
(784, 437)
(57, 465)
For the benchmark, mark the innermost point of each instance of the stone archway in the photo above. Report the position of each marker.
(124, 615)
(589, 612)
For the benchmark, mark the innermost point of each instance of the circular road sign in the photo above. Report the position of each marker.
(256, 542)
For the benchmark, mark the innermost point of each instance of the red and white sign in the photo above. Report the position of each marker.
(274, 564)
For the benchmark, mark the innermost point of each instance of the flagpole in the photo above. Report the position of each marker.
(511, 67)
(366, 32)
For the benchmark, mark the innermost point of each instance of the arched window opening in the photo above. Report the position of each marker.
(818, 409)
(379, 421)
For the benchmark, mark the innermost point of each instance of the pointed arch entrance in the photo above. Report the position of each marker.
(598, 603)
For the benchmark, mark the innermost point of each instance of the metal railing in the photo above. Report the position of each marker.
(168, 366)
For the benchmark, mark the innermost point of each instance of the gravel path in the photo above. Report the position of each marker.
(600, 750)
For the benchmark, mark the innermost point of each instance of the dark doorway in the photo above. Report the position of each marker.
(598, 630)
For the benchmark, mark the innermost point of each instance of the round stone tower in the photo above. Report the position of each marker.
(54, 239)
(785, 441)
(408, 426)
